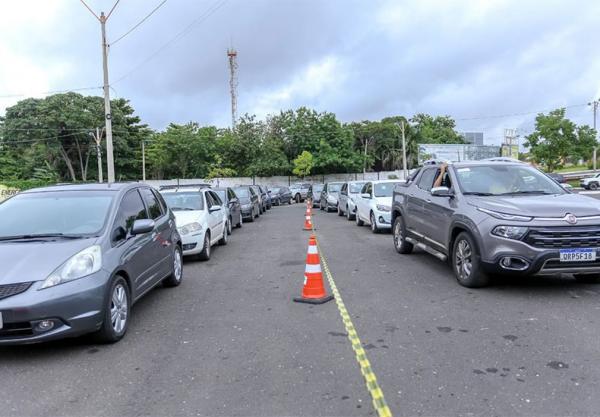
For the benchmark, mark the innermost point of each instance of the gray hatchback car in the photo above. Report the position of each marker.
(75, 258)
(491, 218)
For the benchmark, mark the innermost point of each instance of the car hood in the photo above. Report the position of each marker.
(26, 261)
(387, 201)
(539, 205)
(244, 201)
(185, 217)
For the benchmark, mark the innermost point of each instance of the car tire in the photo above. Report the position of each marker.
(229, 226)
(239, 225)
(466, 262)
(176, 276)
(223, 241)
(117, 295)
(374, 227)
(359, 222)
(348, 214)
(297, 198)
(340, 212)
(593, 186)
(205, 254)
(587, 278)
(398, 233)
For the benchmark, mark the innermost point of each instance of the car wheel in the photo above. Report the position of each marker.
(205, 254)
(229, 226)
(399, 232)
(348, 214)
(321, 206)
(174, 279)
(340, 212)
(239, 225)
(587, 278)
(374, 227)
(116, 312)
(593, 186)
(359, 222)
(466, 263)
(223, 241)
(297, 198)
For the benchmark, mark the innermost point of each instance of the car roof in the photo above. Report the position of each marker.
(184, 190)
(485, 163)
(384, 181)
(115, 186)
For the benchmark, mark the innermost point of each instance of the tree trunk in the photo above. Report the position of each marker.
(81, 167)
(65, 158)
(87, 161)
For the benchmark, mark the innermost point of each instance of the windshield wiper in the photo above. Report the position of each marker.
(478, 193)
(40, 236)
(540, 192)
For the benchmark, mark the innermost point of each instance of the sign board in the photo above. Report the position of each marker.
(456, 152)
(6, 192)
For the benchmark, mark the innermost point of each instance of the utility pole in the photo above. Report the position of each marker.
(232, 55)
(107, 114)
(595, 106)
(143, 160)
(403, 150)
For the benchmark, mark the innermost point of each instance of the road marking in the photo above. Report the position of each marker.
(361, 356)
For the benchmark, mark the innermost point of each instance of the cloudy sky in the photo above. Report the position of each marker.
(478, 61)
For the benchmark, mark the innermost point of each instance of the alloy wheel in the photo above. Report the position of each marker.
(463, 259)
(177, 265)
(373, 225)
(398, 238)
(119, 308)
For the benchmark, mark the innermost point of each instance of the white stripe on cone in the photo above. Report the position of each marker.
(312, 249)
(312, 269)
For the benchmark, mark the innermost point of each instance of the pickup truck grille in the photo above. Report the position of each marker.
(13, 289)
(564, 237)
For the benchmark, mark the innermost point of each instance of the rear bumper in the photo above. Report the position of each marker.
(75, 308)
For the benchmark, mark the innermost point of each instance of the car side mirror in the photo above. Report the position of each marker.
(214, 208)
(142, 226)
(441, 192)
(365, 195)
(233, 201)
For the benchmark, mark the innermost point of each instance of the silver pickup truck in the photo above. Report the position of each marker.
(491, 218)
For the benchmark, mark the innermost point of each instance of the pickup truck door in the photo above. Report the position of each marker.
(437, 215)
(415, 200)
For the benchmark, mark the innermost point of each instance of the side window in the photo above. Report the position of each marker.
(161, 200)
(344, 189)
(426, 180)
(368, 188)
(152, 203)
(131, 209)
(231, 194)
(252, 193)
(216, 198)
(209, 200)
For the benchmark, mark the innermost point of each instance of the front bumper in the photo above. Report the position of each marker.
(193, 244)
(75, 308)
(383, 219)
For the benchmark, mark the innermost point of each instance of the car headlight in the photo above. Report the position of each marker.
(383, 207)
(510, 232)
(189, 228)
(505, 216)
(78, 266)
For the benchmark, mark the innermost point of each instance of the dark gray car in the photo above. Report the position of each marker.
(249, 202)
(232, 202)
(75, 258)
(497, 218)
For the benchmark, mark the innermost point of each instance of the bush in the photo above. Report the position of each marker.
(22, 185)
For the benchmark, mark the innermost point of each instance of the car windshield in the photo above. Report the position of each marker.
(184, 201)
(222, 195)
(334, 188)
(503, 179)
(77, 213)
(242, 192)
(275, 190)
(356, 187)
(317, 188)
(384, 189)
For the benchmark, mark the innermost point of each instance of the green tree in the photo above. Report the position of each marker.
(438, 129)
(557, 140)
(303, 164)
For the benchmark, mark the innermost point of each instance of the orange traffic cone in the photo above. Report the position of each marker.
(313, 291)
(307, 221)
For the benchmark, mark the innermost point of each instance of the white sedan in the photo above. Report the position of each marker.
(374, 204)
(201, 219)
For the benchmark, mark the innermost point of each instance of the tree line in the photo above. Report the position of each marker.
(51, 140)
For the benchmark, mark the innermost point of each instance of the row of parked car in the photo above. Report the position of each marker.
(76, 257)
(485, 218)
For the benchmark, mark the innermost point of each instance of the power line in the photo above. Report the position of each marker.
(501, 116)
(210, 11)
(139, 23)
(50, 92)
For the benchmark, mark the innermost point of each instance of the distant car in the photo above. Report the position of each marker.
(561, 180)
(262, 204)
(266, 196)
(201, 219)
(75, 258)
(300, 191)
(315, 194)
(281, 195)
(329, 196)
(591, 183)
(232, 203)
(375, 203)
(347, 199)
(249, 202)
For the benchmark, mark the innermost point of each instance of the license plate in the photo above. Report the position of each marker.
(578, 255)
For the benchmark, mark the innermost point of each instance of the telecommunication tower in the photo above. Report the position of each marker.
(232, 55)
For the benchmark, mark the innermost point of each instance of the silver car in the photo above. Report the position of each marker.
(75, 258)
(329, 196)
(492, 218)
(347, 199)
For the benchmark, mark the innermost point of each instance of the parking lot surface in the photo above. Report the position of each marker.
(230, 341)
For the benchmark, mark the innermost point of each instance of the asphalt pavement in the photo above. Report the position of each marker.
(230, 342)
